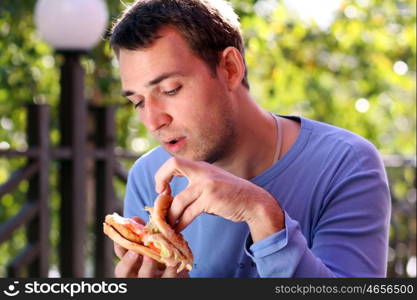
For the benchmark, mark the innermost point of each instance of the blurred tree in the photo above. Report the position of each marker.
(359, 74)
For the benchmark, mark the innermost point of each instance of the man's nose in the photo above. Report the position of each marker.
(155, 116)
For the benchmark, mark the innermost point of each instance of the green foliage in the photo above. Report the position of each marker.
(297, 68)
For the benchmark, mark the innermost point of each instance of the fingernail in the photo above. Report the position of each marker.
(132, 254)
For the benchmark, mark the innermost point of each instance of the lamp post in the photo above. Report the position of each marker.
(72, 27)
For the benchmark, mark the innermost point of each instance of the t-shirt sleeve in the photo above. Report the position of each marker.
(351, 236)
(279, 253)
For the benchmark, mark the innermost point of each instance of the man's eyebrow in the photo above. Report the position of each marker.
(154, 81)
(127, 93)
(163, 77)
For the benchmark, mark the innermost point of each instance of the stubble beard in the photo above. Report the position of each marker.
(216, 141)
(213, 143)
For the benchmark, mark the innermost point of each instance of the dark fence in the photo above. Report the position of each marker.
(34, 215)
(402, 246)
(33, 260)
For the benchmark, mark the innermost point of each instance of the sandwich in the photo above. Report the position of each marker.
(157, 239)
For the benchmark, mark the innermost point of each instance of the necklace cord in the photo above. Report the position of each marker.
(278, 129)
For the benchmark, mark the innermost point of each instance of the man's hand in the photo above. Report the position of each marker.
(212, 190)
(134, 265)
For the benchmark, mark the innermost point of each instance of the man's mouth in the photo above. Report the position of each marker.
(175, 144)
(174, 141)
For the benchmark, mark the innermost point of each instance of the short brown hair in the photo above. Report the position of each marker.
(208, 26)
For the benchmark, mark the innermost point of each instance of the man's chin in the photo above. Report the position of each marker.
(179, 154)
(185, 155)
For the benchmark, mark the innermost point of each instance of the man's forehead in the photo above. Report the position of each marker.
(168, 54)
(169, 48)
(148, 71)
(168, 42)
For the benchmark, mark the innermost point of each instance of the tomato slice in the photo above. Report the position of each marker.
(153, 248)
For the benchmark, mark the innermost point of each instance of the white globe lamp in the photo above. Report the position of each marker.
(71, 24)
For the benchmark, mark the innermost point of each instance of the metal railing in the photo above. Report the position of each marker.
(34, 215)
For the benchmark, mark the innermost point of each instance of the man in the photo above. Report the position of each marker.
(256, 195)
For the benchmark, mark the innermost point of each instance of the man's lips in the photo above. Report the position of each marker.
(174, 144)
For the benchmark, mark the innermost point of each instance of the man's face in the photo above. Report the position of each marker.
(186, 108)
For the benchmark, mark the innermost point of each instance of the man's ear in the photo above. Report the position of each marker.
(232, 67)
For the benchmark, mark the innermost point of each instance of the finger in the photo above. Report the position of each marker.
(170, 272)
(183, 274)
(182, 201)
(167, 190)
(149, 268)
(119, 250)
(172, 167)
(128, 265)
(189, 214)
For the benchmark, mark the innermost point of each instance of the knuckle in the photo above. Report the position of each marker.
(212, 184)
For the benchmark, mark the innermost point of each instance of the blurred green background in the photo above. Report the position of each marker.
(357, 71)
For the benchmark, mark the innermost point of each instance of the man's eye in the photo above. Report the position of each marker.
(139, 104)
(174, 91)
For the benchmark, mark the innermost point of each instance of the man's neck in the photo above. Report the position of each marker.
(256, 141)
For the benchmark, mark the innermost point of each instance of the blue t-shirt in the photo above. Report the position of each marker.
(333, 189)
